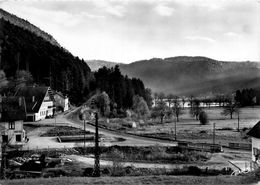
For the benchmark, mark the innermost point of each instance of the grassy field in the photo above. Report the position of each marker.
(190, 129)
(158, 180)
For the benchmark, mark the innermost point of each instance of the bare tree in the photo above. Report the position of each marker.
(230, 108)
(191, 97)
(195, 110)
(176, 109)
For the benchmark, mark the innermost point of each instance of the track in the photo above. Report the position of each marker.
(131, 140)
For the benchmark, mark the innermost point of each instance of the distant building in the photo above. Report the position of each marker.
(39, 102)
(255, 135)
(12, 114)
(61, 102)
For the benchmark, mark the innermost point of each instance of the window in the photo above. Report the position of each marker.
(5, 138)
(256, 151)
(18, 138)
(11, 125)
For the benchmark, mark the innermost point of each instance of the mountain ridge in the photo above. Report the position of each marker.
(194, 75)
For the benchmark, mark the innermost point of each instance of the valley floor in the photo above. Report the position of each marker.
(140, 180)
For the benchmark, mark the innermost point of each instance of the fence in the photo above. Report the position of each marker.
(241, 146)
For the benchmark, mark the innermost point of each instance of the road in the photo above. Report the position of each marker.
(129, 139)
(35, 141)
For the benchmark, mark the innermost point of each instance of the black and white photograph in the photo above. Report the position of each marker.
(129, 92)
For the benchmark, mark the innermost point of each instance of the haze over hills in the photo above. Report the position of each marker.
(185, 75)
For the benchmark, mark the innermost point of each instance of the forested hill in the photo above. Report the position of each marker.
(194, 75)
(25, 47)
(96, 64)
(27, 50)
(13, 19)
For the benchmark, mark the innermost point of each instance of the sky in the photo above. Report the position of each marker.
(129, 30)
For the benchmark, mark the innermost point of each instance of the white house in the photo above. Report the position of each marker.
(255, 136)
(39, 102)
(12, 114)
(61, 102)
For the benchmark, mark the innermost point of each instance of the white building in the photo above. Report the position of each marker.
(39, 102)
(255, 136)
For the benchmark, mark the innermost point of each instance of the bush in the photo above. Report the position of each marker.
(203, 117)
(117, 168)
(194, 170)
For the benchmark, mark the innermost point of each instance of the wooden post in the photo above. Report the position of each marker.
(96, 172)
(214, 133)
(175, 129)
(84, 136)
(238, 129)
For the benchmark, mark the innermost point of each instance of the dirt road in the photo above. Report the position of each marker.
(35, 141)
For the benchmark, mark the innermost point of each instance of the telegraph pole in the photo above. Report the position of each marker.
(214, 124)
(84, 136)
(96, 172)
(175, 129)
(238, 129)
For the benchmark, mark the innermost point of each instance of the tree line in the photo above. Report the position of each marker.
(121, 90)
(248, 97)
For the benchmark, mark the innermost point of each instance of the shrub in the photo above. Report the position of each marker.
(194, 170)
(203, 117)
(117, 168)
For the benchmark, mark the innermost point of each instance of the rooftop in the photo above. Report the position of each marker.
(12, 109)
(255, 131)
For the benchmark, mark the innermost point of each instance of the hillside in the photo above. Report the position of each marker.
(194, 75)
(26, 47)
(96, 64)
(27, 26)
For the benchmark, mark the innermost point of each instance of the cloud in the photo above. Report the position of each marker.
(200, 38)
(163, 10)
(118, 10)
(112, 7)
(118, 29)
(233, 35)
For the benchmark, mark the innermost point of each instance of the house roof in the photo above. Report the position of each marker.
(60, 94)
(255, 131)
(38, 92)
(12, 109)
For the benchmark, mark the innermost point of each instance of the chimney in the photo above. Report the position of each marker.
(33, 98)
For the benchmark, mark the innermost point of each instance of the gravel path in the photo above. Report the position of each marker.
(37, 142)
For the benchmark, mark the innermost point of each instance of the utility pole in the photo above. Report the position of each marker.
(238, 129)
(175, 129)
(96, 172)
(214, 124)
(84, 136)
